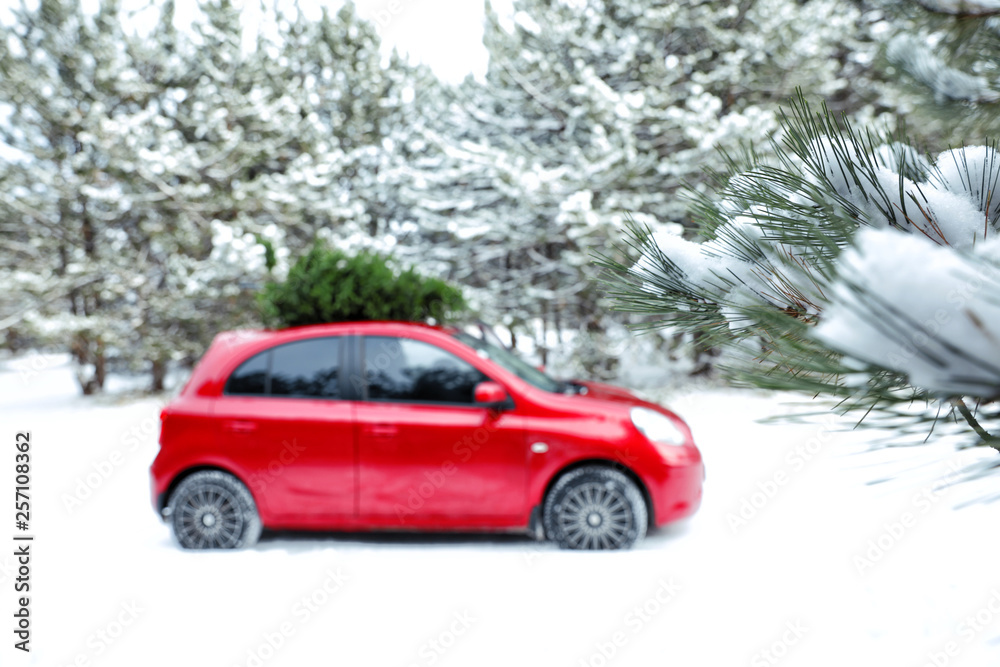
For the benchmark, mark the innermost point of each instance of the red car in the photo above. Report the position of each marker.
(401, 426)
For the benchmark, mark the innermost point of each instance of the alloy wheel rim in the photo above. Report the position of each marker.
(210, 519)
(595, 516)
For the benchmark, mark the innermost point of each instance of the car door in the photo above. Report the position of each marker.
(284, 416)
(428, 456)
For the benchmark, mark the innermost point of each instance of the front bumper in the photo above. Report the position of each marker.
(677, 491)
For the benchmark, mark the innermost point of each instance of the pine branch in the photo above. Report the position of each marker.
(961, 7)
(772, 283)
(987, 439)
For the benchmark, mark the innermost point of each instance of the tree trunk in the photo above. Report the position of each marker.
(87, 352)
(159, 375)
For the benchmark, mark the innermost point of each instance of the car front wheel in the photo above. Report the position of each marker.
(213, 510)
(594, 507)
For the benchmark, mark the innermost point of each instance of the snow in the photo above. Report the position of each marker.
(975, 171)
(948, 83)
(883, 312)
(949, 209)
(716, 270)
(110, 587)
(897, 156)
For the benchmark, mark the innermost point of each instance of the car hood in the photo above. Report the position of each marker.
(609, 399)
(607, 392)
(598, 399)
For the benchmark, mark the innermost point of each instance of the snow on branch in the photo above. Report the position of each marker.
(927, 311)
(778, 234)
(915, 292)
(948, 83)
(962, 7)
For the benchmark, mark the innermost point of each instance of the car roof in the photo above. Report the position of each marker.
(240, 336)
(229, 347)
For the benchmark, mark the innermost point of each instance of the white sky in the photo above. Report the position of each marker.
(447, 35)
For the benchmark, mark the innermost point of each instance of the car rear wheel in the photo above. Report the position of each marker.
(213, 510)
(594, 507)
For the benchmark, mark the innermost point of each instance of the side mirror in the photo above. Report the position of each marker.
(490, 392)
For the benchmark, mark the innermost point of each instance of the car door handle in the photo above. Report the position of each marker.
(381, 430)
(240, 426)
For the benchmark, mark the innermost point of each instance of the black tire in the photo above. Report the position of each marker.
(595, 507)
(213, 510)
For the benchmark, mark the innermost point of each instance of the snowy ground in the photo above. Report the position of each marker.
(826, 569)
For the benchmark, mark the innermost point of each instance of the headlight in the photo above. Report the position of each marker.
(658, 428)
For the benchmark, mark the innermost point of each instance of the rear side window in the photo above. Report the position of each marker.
(251, 377)
(305, 368)
(401, 369)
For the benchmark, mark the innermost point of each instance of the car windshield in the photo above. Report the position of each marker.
(511, 362)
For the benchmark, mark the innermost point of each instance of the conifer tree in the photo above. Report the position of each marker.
(327, 285)
(69, 104)
(158, 179)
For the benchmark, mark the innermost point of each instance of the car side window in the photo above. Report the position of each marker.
(305, 368)
(250, 379)
(402, 369)
(308, 368)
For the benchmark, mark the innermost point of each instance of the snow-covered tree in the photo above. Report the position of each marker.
(351, 138)
(65, 93)
(163, 176)
(851, 266)
(123, 189)
(592, 109)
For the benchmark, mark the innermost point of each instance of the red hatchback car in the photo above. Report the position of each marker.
(401, 426)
